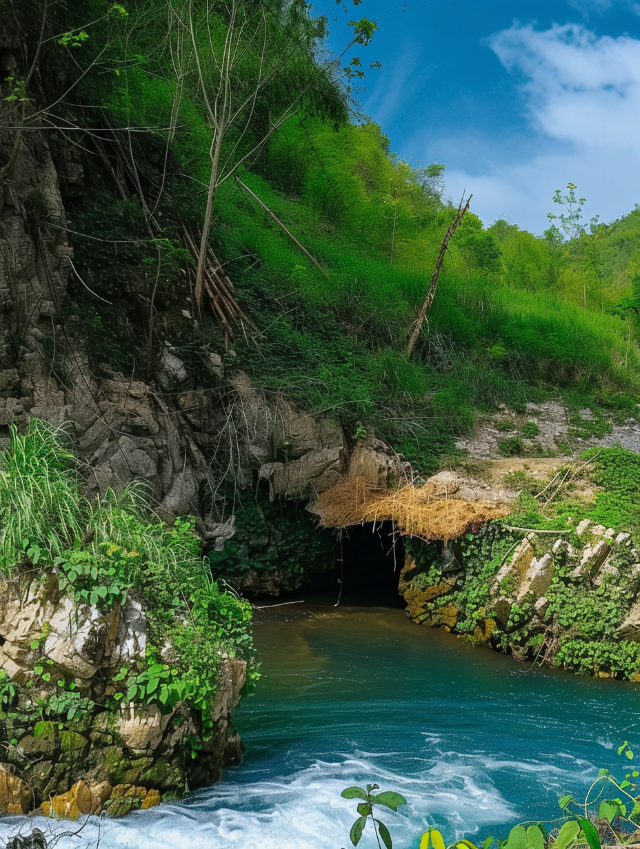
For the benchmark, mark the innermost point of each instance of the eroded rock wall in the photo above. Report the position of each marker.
(569, 598)
(66, 657)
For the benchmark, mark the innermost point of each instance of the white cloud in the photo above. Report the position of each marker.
(582, 95)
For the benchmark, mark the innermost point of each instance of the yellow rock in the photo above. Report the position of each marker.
(62, 807)
(448, 615)
(14, 794)
(417, 599)
(152, 799)
(122, 791)
(81, 799)
(484, 631)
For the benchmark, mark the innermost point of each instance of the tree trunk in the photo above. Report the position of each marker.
(426, 306)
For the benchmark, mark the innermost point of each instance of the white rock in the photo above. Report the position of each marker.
(582, 526)
(593, 557)
(132, 633)
(517, 566)
(172, 369)
(216, 364)
(538, 577)
(541, 605)
(141, 727)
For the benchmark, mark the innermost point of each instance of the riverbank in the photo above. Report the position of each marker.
(351, 695)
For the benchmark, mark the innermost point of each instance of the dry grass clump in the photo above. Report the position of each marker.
(414, 511)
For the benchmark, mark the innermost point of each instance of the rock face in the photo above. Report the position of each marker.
(15, 795)
(568, 599)
(87, 747)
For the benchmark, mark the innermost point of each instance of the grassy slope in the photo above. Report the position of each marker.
(508, 324)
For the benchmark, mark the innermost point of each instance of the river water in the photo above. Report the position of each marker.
(475, 741)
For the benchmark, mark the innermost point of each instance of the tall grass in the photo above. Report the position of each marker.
(40, 500)
(43, 514)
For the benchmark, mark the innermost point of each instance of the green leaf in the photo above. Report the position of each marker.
(517, 838)
(131, 692)
(535, 837)
(93, 598)
(364, 809)
(629, 754)
(384, 834)
(564, 801)
(152, 686)
(356, 829)
(590, 832)
(389, 799)
(102, 592)
(354, 793)
(568, 833)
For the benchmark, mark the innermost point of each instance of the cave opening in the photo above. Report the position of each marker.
(369, 560)
(366, 570)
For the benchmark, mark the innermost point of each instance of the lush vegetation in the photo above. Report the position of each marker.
(105, 550)
(515, 318)
(578, 628)
(276, 541)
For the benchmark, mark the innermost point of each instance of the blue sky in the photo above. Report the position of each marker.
(516, 97)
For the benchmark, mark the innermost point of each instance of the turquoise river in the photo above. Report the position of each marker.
(474, 741)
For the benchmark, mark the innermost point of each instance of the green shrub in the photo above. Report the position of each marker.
(510, 446)
(530, 430)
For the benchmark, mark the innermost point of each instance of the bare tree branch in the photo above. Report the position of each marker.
(463, 208)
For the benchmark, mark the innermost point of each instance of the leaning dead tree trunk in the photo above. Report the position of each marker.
(275, 218)
(463, 208)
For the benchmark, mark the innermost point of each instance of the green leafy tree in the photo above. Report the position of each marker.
(575, 238)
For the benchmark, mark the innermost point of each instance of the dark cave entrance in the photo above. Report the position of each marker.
(366, 572)
(369, 561)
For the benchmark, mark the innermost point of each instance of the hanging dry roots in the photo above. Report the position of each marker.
(414, 511)
(219, 289)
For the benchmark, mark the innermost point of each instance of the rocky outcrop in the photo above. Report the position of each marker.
(566, 598)
(15, 794)
(85, 749)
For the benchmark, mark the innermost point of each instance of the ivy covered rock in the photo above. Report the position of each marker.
(568, 598)
(121, 660)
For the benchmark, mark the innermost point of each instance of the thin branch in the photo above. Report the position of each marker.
(274, 217)
(463, 208)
